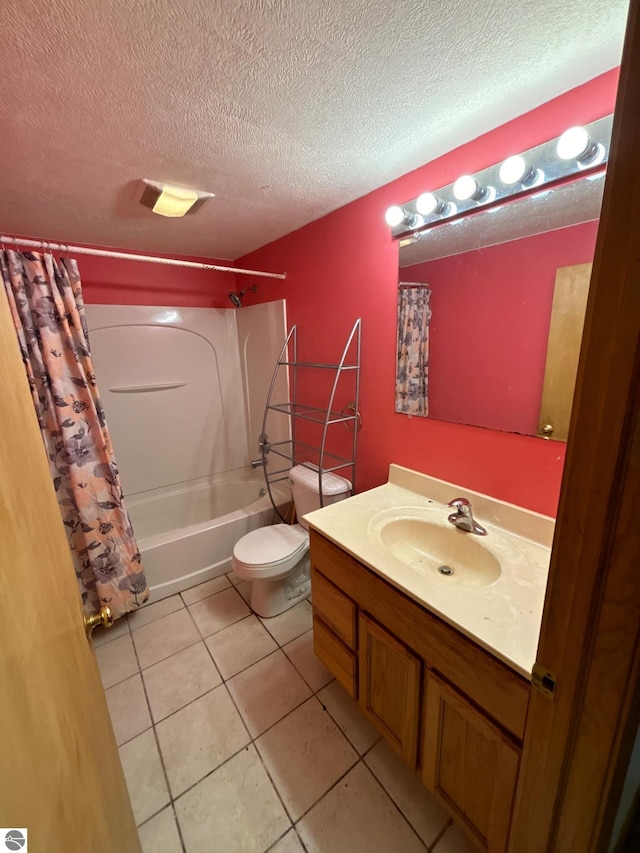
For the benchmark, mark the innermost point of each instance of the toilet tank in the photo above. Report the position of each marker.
(304, 488)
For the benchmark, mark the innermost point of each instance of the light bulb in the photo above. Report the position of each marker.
(428, 203)
(394, 216)
(466, 188)
(514, 169)
(575, 144)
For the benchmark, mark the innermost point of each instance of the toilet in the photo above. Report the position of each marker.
(276, 558)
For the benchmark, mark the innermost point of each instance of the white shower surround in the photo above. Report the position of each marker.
(184, 450)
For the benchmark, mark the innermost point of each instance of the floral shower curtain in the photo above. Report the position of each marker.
(412, 372)
(45, 297)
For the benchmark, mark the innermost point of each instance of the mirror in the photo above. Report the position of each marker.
(508, 295)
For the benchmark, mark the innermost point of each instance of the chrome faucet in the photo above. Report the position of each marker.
(463, 517)
(257, 463)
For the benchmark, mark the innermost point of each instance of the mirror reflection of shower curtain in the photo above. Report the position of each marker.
(45, 298)
(412, 371)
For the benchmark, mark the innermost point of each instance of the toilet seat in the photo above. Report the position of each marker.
(270, 551)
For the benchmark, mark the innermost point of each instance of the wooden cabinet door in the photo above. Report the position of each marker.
(470, 764)
(389, 676)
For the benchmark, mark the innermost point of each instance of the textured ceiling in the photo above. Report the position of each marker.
(285, 110)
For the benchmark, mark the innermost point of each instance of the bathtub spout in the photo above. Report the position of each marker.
(256, 463)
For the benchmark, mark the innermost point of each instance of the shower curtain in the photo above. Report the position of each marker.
(412, 372)
(45, 297)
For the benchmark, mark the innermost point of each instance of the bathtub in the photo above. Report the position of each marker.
(186, 533)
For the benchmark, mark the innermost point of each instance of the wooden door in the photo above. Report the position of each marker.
(61, 776)
(563, 350)
(389, 691)
(470, 764)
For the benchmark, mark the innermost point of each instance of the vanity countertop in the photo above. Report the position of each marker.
(503, 616)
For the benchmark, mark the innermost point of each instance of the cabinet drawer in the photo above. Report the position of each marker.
(335, 656)
(335, 609)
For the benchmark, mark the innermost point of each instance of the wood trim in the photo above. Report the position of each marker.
(499, 690)
(572, 753)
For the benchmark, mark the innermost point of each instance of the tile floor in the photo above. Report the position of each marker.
(233, 736)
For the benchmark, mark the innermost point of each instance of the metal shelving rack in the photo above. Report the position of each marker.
(316, 458)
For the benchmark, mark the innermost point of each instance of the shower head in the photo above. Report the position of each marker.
(237, 297)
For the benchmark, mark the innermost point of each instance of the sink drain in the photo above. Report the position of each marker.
(445, 570)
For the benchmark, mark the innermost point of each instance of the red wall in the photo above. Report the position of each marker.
(495, 380)
(345, 265)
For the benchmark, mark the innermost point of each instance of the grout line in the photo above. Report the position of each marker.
(161, 756)
(440, 835)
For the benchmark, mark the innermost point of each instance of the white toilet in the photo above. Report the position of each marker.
(276, 558)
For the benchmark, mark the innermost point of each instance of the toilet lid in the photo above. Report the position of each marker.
(272, 544)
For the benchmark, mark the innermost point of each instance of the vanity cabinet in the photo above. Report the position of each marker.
(451, 709)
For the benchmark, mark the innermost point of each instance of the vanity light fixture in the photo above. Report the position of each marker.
(578, 150)
(396, 215)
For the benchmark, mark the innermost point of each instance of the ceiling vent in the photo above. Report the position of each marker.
(169, 200)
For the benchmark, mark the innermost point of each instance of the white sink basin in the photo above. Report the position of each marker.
(441, 552)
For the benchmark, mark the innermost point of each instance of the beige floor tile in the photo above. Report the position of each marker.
(128, 709)
(101, 635)
(199, 737)
(237, 806)
(349, 717)
(301, 654)
(156, 610)
(356, 816)
(454, 841)
(160, 834)
(145, 779)
(305, 754)
(203, 590)
(164, 637)
(116, 660)
(290, 843)
(266, 691)
(240, 645)
(290, 624)
(218, 611)
(178, 680)
(405, 788)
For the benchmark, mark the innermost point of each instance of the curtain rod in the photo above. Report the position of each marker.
(45, 245)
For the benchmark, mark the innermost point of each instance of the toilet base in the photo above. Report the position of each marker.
(272, 597)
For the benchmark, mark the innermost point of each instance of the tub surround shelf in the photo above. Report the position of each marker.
(141, 389)
(453, 707)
